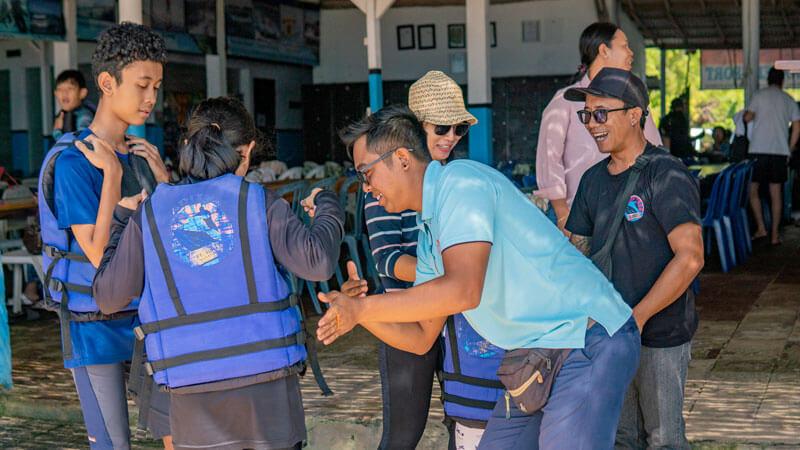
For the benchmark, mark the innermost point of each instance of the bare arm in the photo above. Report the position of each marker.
(582, 243)
(748, 116)
(795, 135)
(686, 241)
(459, 289)
(415, 337)
(405, 268)
(92, 238)
(559, 205)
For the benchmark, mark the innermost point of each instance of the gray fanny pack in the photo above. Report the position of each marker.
(528, 375)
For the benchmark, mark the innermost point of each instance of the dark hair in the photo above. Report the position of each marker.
(775, 77)
(389, 128)
(217, 127)
(591, 38)
(126, 43)
(676, 103)
(71, 75)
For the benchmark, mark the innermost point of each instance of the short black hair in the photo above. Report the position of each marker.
(71, 75)
(123, 44)
(390, 127)
(775, 77)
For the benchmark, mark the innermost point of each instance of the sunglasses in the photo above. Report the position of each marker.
(600, 115)
(461, 129)
(361, 175)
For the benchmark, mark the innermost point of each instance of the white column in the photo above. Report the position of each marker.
(751, 45)
(213, 84)
(222, 50)
(65, 54)
(246, 88)
(47, 88)
(478, 78)
(374, 10)
(130, 11)
(479, 81)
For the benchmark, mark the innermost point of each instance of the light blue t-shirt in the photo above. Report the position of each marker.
(539, 290)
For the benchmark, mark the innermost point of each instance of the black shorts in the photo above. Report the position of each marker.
(769, 168)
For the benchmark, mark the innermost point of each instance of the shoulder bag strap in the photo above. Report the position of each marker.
(602, 258)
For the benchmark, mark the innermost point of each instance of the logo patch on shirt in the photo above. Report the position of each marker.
(201, 234)
(635, 209)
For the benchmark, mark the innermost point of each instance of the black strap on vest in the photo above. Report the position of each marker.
(244, 237)
(602, 258)
(162, 258)
(311, 350)
(457, 376)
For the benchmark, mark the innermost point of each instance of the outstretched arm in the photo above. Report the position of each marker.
(459, 289)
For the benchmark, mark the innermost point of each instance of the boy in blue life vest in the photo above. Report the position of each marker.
(76, 113)
(78, 189)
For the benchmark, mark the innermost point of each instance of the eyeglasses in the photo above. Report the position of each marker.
(461, 129)
(361, 175)
(600, 115)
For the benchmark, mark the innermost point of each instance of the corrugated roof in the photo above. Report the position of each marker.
(712, 23)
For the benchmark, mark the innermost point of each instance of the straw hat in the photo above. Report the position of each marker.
(436, 98)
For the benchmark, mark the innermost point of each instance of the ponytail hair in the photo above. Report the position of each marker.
(218, 127)
(592, 37)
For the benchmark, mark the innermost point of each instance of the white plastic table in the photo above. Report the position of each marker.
(18, 259)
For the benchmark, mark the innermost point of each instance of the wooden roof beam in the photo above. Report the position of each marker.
(668, 10)
(716, 21)
(788, 26)
(645, 31)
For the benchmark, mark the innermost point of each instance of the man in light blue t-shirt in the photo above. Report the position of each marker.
(487, 251)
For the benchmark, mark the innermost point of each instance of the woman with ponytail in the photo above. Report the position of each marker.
(202, 259)
(566, 149)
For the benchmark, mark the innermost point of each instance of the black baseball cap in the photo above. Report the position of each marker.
(613, 83)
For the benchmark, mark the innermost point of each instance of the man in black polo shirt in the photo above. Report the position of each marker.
(657, 251)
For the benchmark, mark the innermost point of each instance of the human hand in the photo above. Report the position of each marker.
(140, 147)
(59, 122)
(101, 155)
(354, 286)
(341, 317)
(133, 201)
(308, 203)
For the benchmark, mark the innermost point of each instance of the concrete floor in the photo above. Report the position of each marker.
(743, 389)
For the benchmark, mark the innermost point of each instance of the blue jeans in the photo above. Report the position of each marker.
(652, 416)
(551, 214)
(585, 402)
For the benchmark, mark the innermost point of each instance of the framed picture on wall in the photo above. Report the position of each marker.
(426, 35)
(405, 37)
(456, 35)
(493, 34)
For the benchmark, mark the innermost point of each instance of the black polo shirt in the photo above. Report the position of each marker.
(666, 195)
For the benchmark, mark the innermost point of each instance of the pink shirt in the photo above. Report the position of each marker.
(566, 149)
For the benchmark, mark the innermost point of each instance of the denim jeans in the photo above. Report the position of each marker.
(551, 214)
(652, 416)
(585, 402)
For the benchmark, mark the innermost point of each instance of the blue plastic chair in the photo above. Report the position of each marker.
(297, 189)
(736, 209)
(715, 220)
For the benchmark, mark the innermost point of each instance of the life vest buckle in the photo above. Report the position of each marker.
(56, 285)
(51, 251)
(139, 333)
(149, 368)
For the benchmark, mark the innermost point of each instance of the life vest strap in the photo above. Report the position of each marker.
(162, 258)
(54, 252)
(218, 314)
(225, 352)
(469, 402)
(474, 381)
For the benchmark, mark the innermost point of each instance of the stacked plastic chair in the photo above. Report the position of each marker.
(717, 221)
(736, 208)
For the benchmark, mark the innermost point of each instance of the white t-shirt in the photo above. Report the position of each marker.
(769, 130)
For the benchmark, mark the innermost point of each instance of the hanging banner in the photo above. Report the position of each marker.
(723, 69)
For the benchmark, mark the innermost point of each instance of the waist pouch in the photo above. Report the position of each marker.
(528, 375)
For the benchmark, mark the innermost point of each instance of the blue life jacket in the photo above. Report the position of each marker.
(68, 275)
(214, 305)
(471, 387)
